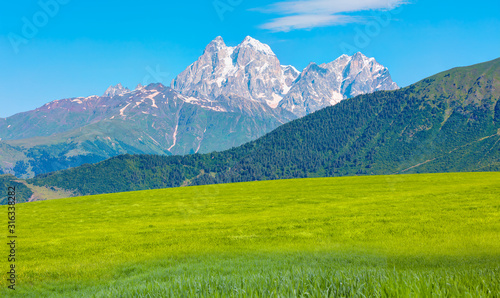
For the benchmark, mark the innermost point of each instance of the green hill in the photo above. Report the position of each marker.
(23, 193)
(449, 122)
(392, 236)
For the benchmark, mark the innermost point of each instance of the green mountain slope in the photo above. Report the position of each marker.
(448, 122)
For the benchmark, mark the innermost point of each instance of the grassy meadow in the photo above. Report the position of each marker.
(379, 236)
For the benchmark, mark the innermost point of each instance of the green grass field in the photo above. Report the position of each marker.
(389, 236)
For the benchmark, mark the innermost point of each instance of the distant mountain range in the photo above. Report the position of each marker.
(449, 122)
(229, 96)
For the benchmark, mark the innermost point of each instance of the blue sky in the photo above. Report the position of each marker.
(53, 49)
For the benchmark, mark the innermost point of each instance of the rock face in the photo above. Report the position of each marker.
(251, 70)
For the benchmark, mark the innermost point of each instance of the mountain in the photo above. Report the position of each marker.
(229, 96)
(449, 122)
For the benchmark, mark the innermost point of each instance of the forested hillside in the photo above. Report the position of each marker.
(447, 123)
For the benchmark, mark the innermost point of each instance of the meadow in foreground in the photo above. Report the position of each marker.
(404, 235)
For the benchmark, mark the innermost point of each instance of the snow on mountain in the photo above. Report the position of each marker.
(229, 96)
(116, 90)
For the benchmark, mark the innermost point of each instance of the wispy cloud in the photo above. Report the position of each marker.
(308, 14)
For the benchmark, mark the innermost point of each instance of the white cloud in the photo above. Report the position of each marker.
(306, 21)
(307, 14)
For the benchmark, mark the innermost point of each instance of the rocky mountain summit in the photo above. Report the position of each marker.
(319, 86)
